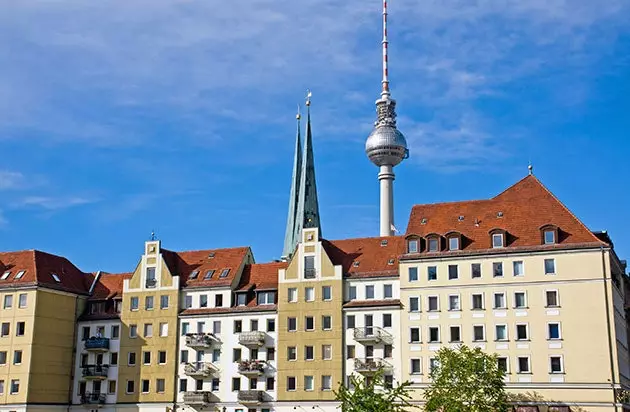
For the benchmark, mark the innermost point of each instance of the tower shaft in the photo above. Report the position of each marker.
(386, 178)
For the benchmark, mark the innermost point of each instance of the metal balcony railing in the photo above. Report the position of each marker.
(370, 365)
(200, 369)
(95, 344)
(151, 283)
(371, 334)
(250, 397)
(255, 339)
(310, 273)
(252, 367)
(92, 398)
(199, 398)
(201, 340)
(95, 371)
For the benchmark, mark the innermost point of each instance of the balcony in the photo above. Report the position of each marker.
(201, 340)
(252, 368)
(95, 372)
(200, 369)
(252, 339)
(370, 366)
(92, 399)
(250, 397)
(200, 398)
(95, 344)
(371, 335)
(151, 283)
(310, 273)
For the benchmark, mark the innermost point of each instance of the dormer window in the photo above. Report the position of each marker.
(193, 274)
(412, 246)
(433, 244)
(550, 237)
(453, 243)
(498, 240)
(241, 299)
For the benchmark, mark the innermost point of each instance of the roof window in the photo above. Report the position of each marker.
(355, 263)
(208, 274)
(55, 277)
(460, 218)
(210, 255)
(194, 274)
(390, 262)
(499, 214)
(224, 273)
(5, 275)
(384, 242)
(423, 221)
(20, 274)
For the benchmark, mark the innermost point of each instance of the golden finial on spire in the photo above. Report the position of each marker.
(308, 97)
(298, 115)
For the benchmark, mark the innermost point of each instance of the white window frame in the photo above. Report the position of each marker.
(559, 331)
(459, 302)
(494, 301)
(367, 287)
(561, 371)
(308, 298)
(391, 291)
(352, 292)
(414, 249)
(450, 243)
(417, 299)
(436, 273)
(419, 334)
(483, 328)
(329, 289)
(411, 371)
(472, 301)
(516, 338)
(163, 329)
(450, 337)
(507, 363)
(507, 333)
(557, 298)
(553, 237)
(312, 383)
(437, 297)
(514, 262)
(499, 236)
(555, 269)
(294, 298)
(529, 365)
(525, 306)
(417, 275)
(434, 327)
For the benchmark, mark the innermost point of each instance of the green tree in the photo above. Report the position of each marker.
(373, 395)
(466, 380)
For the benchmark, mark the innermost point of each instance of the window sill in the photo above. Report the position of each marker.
(552, 307)
(520, 307)
(523, 340)
(480, 341)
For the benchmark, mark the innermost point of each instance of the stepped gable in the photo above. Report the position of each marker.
(522, 211)
(42, 269)
(366, 257)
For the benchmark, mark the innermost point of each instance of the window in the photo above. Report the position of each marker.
(456, 335)
(309, 353)
(388, 351)
(130, 386)
(520, 300)
(413, 274)
(452, 272)
(477, 301)
(434, 334)
(352, 293)
(497, 240)
(369, 291)
(499, 301)
(416, 366)
(5, 275)
(327, 322)
(497, 269)
(369, 352)
(552, 298)
(22, 300)
(412, 246)
(193, 275)
(146, 358)
(115, 332)
(550, 237)
(475, 270)
(208, 275)
(185, 328)
(553, 331)
(15, 386)
(350, 352)
(236, 355)
(523, 364)
(236, 384)
(113, 358)
(500, 332)
(159, 385)
(326, 352)
(326, 382)
(3, 358)
(188, 302)
(414, 335)
(238, 326)
(20, 329)
(148, 330)
(290, 383)
(326, 293)
(291, 353)
(271, 325)
(308, 383)
(17, 357)
(133, 331)
(55, 277)
(414, 304)
(434, 304)
(309, 323)
(19, 274)
(8, 301)
(453, 243)
(388, 291)
(111, 387)
(309, 267)
(432, 272)
(6, 329)
(162, 357)
(241, 299)
(203, 301)
(224, 273)
(517, 267)
(148, 303)
(433, 244)
(216, 355)
(270, 384)
(479, 333)
(521, 332)
(163, 329)
(555, 364)
(253, 325)
(291, 324)
(265, 298)
(292, 294)
(134, 303)
(453, 302)
(309, 294)
(433, 363)
(550, 266)
(502, 364)
(387, 320)
(183, 385)
(131, 358)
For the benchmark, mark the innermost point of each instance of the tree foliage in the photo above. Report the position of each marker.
(466, 380)
(373, 395)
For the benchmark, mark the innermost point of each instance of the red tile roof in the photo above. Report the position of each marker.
(39, 268)
(526, 207)
(184, 263)
(372, 257)
(261, 276)
(372, 303)
(109, 286)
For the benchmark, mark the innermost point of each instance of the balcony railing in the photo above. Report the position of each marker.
(95, 344)
(310, 273)
(200, 398)
(371, 334)
(201, 340)
(95, 371)
(151, 283)
(252, 367)
(370, 366)
(250, 397)
(92, 398)
(200, 369)
(252, 339)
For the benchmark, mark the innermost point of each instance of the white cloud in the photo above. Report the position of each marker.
(52, 203)
(11, 180)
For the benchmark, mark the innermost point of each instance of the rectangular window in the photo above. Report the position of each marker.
(163, 301)
(388, 351)
(17, 357)
(517, 267)
(160, 385)
(550, 237)
(416, 366)
(308, 383)
(216, 327)
(475, 270)
(22, 300)
(479, 333)
(434, 304)
(133, 331)
(238, 326)
(414, 304)
(433, 245)
(456, 335)
(148, 330)
(291, 324)
(523, 364)
(327, 322)
(434, 334)
(521, 332)
(477, 301)
(115, 332)
(183, 356)
(271, 354)
(215, 385)
(236, 355)
(412, 246)
(309, 294)
(413, 274)
(216, 355)
(113, 358)
(253, 325)
(497, 269)
(163, 329)
(552, 298)
(550, 266)
(203, 301)
(432, 272)
(188, 302)
(326, 352)
(271, 325)
(134, 303)
(85, 332)
(497, 240)
(8, 301)
(309, 267)
(111, 387)
(290, 383)
(555, 364)
(453, 243)
(270, 384)
(309, 323)
(131, 358)
(553, 330)
(388, 291)
(20, 329)
(183, 385)
(264, 298)
(502, 364)
(292, 295)
(130, 386)
(199, 385)
(326, 292)
(3, 358)
(350, 322)
(520, 300)
(241, 299)
(309, 353)
(6, 330)
(146, 358)
(326, 382)
(291, 353)
(414, 335)
(387, 320)
(148, 303)
(15, 386)
(453, 302)
(236, 384)
(185, 328)
(162, 357)
(369, 291)
(452, 272)
(499, 301)
(501, 332)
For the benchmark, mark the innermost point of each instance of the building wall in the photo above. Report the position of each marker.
(293, 277)
(136, 287)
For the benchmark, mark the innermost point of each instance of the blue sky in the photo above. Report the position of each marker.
(118, 118)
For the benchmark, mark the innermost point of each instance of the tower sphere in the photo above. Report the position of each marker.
(386, 145)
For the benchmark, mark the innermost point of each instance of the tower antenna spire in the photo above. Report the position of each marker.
(385, 92)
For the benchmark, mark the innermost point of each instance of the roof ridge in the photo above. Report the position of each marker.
(516, 184)
(366, 238)
(206, 250)
(452, 202)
